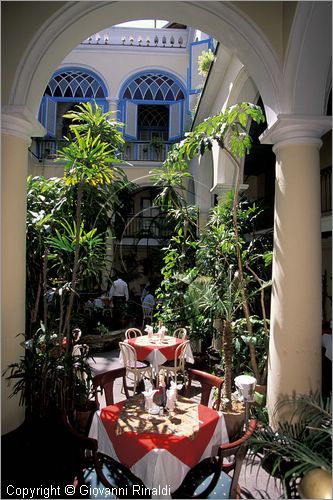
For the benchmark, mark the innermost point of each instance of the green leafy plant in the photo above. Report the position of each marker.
(232, 284)
(300, 443)
(88, 161)
(204, 62)
(48, 377)
(157, 143)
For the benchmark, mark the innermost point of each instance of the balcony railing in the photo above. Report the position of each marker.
(133, 151)
(139, 37)
(45, 149)
(326, 189)
(145, 151)
(147, 227)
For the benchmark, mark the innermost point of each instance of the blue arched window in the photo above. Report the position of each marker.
(154, 86)
(154, 93)
(66, 88)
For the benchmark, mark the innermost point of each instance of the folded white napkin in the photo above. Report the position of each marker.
(149, 395)
(174, 387)
(161, 332)
(149, 330)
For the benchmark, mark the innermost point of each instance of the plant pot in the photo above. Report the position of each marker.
(262, 389)
(84, 414)
(196, 345)
(234, 422)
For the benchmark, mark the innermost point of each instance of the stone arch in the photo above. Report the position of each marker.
(307, 69)
(73, 23)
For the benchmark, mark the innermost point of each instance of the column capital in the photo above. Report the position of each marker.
(112, 99)
(20, 122)
(221, 189)
(296, 129)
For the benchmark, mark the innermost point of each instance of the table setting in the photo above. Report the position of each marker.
(159, 441)
(157, 347)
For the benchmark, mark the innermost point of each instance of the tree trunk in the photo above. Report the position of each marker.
(227, 354)
(45, 298)
(245, 302)
(76, 261)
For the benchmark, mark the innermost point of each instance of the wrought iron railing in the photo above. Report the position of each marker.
(326, 189)
(47, 149)
(145, 151)
(147, 227)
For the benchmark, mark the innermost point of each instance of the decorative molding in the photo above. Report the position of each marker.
(296, 129)
(20, 122)
(220, 189)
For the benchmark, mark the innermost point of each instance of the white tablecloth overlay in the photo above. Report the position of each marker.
(156, 357)
(158, 467)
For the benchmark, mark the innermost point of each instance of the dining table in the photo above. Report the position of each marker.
(157, 350)
(159, 449)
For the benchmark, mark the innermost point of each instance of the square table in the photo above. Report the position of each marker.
(157, 351)
(160, 450)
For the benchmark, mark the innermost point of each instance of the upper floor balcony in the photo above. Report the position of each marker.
(138, 37)
(47, 149)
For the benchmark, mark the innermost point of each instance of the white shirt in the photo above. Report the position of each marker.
(119, 289)
(98, 303)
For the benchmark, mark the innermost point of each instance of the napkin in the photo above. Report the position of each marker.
(149, 330)
(174, 387)
(161, 332)
(149, 395)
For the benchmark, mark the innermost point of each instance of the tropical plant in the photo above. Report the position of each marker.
(88, 161)
(65, 247)
(48, 377)
(204, 62)
(46, 204)
(300, 443)
(229, 130)
(157, 143)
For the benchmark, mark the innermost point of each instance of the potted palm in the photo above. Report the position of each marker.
(299, 450)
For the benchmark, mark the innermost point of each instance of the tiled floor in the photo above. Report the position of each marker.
(254, 481)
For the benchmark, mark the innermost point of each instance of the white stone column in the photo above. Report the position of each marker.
(295, 333)
(16, 133)
(113, 106)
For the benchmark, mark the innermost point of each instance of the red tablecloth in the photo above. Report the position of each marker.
(160, 459)
(131, 446)
(143, 351)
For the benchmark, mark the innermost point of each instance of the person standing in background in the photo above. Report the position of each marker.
(119, 295)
